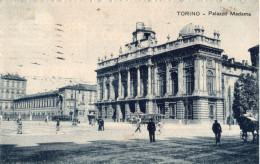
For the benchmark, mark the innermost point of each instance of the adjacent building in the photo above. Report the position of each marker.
(187, 78)
(79, 97)
(67, 100)
(11, 87)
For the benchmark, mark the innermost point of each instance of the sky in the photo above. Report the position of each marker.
(54, 43)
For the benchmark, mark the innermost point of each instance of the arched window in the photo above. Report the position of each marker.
(174, 83)
(210, 82)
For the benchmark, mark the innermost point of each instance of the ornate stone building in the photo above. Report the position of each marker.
(182, 79)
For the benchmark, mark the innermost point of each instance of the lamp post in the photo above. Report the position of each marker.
(75, 122)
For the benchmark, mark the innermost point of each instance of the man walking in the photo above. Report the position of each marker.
(58, 125)
(138, 126)
(216, 128)
(151, 128)
(102, 124)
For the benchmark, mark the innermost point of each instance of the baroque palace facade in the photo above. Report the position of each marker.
(182, 79)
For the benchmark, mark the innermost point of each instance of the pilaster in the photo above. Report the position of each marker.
(112, 90)
(156, 80)
(119, 85)
(168, 78)
(149, 87)
(137, 107)
(128, 84)
(127, 110)
(196, 77)
(138, 82)
(180, 79)
(118, 112)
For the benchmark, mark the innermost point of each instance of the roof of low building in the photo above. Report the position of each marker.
(13, 77)
(84, 87)
(43, 94)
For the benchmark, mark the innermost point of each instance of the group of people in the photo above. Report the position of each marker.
(151, 127)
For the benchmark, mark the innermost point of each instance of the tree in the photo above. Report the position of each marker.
(246, 96)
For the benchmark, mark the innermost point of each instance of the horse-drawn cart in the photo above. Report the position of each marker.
(249, 124)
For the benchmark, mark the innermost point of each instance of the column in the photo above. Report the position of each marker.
(216, 80)
(167, 78)
(127, 110)
(156, 80)
(137, 107)
(112, 91)
(180, 78)
(220, 78)
(149, 107)
(128, 83)
(196, 77)
(149, 89)
(119, 85)
(138, 82)
(118, 112)
(110, 111)
(205, 76)
(104, 88)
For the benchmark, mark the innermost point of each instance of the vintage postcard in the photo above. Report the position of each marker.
(129, 81)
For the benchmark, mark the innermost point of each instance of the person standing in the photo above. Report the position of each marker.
(19, 126)
(102, 124)
(216, 128)
(99, 124)
(58, 125)
(160, 127)
(151, 128)
(138, 126)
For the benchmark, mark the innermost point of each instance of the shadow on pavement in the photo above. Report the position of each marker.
(173, 150)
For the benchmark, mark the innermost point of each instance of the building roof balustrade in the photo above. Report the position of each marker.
(169, 46)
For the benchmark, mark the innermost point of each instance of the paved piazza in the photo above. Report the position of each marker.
(118, 144)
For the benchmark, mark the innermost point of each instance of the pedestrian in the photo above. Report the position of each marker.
(58, 125)
(19, 126)
(138, 126)
(159, 124)
(216, 128)
(151, 128)
(92, 122)
(99, 124)
(102, 124)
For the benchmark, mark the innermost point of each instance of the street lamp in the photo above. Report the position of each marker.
(74, 122)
